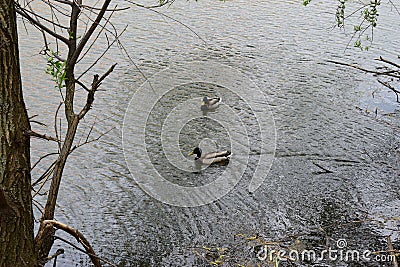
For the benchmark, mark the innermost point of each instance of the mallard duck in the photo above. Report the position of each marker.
(210, 104)
(210, 158)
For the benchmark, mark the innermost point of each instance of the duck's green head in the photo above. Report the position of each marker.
(205, 101)
(196, 151)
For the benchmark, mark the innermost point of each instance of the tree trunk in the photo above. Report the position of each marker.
(16, 218)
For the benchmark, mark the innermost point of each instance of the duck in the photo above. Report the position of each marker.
(210, 158)
(210, 104)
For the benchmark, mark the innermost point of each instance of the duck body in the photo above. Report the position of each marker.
(211, 158)
(210, 104)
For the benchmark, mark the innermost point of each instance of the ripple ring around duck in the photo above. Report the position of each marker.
(153, 117)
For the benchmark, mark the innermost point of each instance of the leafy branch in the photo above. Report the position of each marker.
(368, 20)
(56, 69)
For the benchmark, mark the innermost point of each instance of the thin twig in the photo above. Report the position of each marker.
(55, 126)
(96, 8)
(90, 130)
(81, 250)
(43, 157)
(43, 18)
(90, 141)
(46, 177)
(388, 62)
(90, 97)
(82, 85)
(390, 245)
(47, 172)
(38, 122)
(86, 23)
(95, 39)
(161, 4)
(23, 13)
(55, 255)
(386, 84)
(60, 9)
(395, 7)
(79, 237)
(70, 3)
(151, 8)
(37, 205)
(102, 54)
(41, 136)
(89, 33)
(325, 170)
(363, 69)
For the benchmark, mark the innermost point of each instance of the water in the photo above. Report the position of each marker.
(282, 47)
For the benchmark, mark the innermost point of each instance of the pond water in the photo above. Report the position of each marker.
(315, 112)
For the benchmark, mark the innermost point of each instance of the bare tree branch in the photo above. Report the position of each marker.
(43, 157)
(79, 237)
(38, 206)
(43, 18)
(90, 97)
(96, 8)
(41, 136)
(161, 4)
(38, 122)
(389, 62)
(95, 39)
(81, 250)
(24, 14)
(363, 69)
(102, 54)
(70, 3)
(386, 84)
(82, 85)
(395, 7)
(46, 174)
(55, 126)
(392, 251)
(325, 170)
(89, 33)
(59, 8)
(90, 141)
(151, 8)
(70, 68)
(55, 255)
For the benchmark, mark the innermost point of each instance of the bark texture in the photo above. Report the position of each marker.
(16, 219)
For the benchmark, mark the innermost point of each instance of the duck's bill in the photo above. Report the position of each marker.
(191, 153)
(203, 103)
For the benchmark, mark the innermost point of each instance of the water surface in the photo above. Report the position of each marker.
(283, 48)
